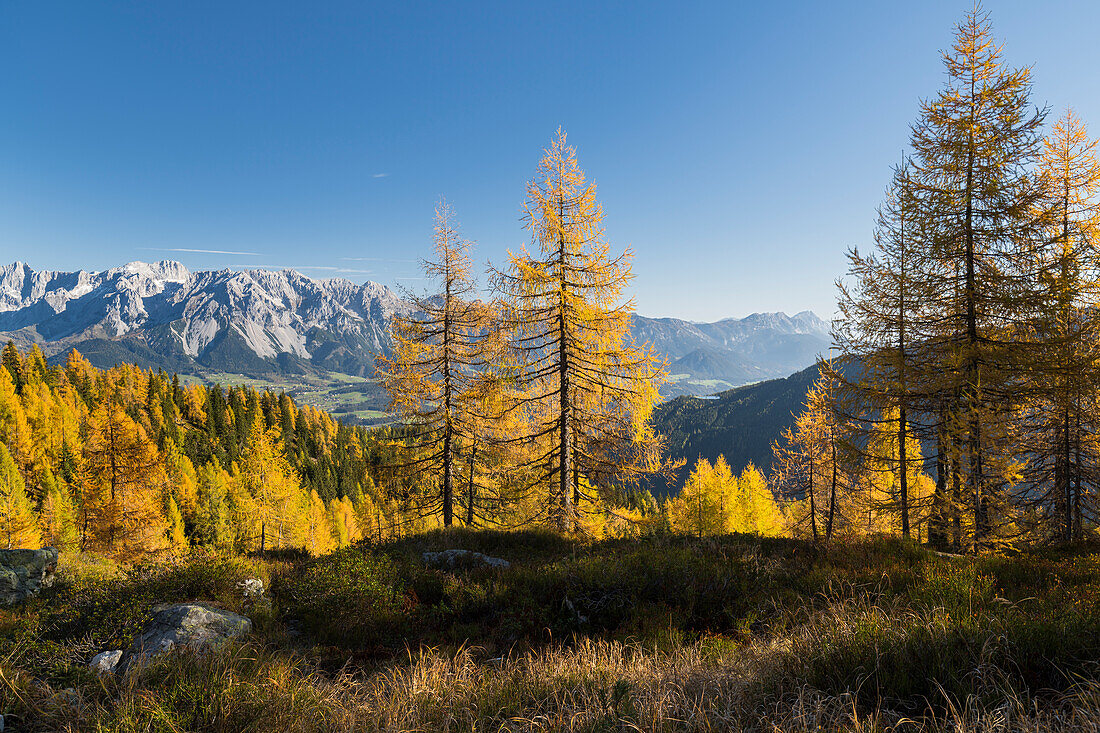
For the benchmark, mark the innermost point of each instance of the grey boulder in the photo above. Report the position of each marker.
(451, 559)
(184, 625)
(24, 572)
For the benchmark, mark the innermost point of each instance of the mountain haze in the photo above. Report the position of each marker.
(262, 323)
(708, 357)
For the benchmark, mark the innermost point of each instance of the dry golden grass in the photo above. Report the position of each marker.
(592, 686)
(733, 634)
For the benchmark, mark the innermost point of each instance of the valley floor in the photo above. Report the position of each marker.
(654, 634)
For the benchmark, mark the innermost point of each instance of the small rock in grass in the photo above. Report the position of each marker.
(106, 662)
(69, 696)
(251, 587)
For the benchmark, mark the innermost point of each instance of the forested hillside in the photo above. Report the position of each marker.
(128, 461)
(740, 424)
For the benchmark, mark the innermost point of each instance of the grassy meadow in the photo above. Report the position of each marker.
(667, 634)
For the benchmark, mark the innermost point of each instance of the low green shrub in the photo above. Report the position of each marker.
(352, 597)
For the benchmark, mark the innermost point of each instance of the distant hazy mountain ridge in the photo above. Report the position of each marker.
(161, 314)
(262, 322)
(708, 357)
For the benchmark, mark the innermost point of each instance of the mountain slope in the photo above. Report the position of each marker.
(707, 357)
(740, 424)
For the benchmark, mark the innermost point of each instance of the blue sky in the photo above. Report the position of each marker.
(738, 148)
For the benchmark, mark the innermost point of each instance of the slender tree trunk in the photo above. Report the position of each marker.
(565, 450)
(956, 506)
(1066, 484)
(937, 521)
(448, 477)
(448, 428)
(813, 507)
(1077, 525)
(904, 474)
(973, 375)
(1069, 469)
(903, 479)
(114, 478)
(470, 497)
(832, 501)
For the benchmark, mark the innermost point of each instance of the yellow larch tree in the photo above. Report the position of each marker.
(15, 430)
(882, 500)
(706, 503)
(590, 390)
(58, 518)
(124, 480)
(267, 499)
(1057, 421)
(437, 350)
(177, 539)
(756, 511)
(318, 529)
(979, 204)
(813, 463)
(345, 524)
(18, 523)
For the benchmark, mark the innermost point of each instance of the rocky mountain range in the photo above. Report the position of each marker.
(707, 357)
(261, 322)
(162, 315)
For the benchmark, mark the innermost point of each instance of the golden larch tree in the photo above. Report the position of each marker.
(268, 502)
(124, 479)
(588, 389)
(437, 351)
(18, 523)
(1057, 422)
(976, 198)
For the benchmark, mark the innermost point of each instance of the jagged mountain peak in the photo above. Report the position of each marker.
(247, 320)
(259, 321)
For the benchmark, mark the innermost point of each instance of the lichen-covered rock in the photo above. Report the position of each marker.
(106, 662)
(24, 572)
(451, 559)
(180, 625)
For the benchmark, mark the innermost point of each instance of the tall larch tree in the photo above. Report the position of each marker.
(1058, 422)
(973, 148)
(1071, 176)
(266, 496)
(438, 349)
(814, 460)
(879, 330)
(588, 388)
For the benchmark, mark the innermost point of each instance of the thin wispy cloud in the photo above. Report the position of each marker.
(198, 251)
(380, 175)
(372, 259)
(410, 278)
(302, 268)
(327, 268)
